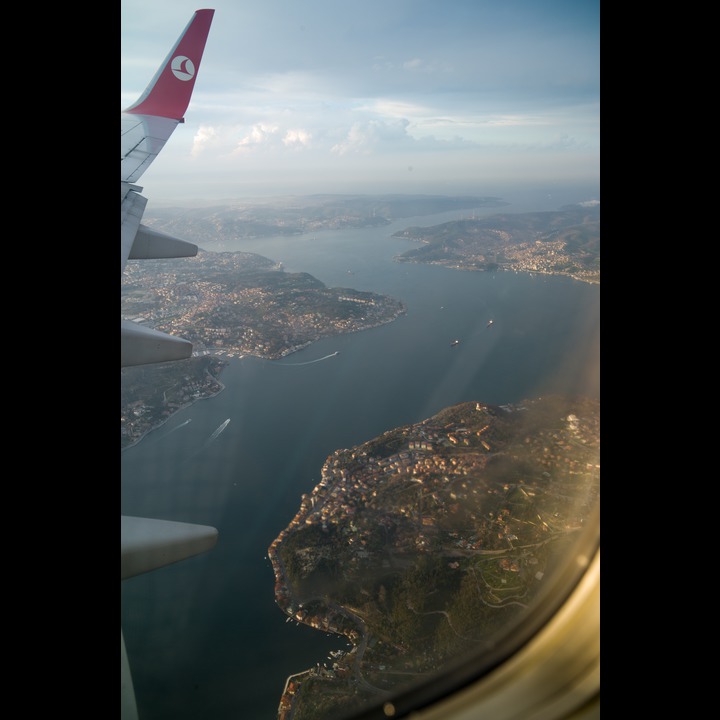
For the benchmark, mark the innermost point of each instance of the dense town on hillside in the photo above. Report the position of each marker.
(227, 305)
(423, 543)
(565, 242)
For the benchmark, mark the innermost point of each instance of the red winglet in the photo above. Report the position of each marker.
(168, 94)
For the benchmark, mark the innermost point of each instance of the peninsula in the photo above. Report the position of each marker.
(227, 304)
(426, 543)
(563, 242)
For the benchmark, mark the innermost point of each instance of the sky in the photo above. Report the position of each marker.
(378, 96)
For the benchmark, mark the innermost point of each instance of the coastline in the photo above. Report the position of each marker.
(171, 415)
(243, 353)
(167, 414)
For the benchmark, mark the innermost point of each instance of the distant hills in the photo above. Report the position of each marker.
(562, 242)
(294, 215)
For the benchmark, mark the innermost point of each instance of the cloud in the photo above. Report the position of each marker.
(412, 64)
(297, 139)
(260, 135)
(564, 142)
(387, 107)
(367, 137)
(205, 137)
(427, 67)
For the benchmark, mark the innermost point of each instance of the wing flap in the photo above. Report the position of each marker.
(140, 345)
(153, 245)
(147, 544)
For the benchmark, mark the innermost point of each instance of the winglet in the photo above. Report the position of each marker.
(168, 94)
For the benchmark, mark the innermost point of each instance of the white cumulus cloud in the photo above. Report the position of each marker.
(297, 139)
(261, 134)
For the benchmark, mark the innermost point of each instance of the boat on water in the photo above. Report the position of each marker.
(219, 429)
(490, 322)
(454, 343)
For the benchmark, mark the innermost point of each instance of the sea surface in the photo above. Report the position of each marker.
(204, 637)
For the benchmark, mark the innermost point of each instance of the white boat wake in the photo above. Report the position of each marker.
(216, 432)
(177, 427)
(309, 362)
(212, 438)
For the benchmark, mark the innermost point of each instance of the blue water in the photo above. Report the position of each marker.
(204, 637)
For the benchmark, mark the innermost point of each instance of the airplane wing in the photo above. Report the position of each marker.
(145, 543)
(145, 127)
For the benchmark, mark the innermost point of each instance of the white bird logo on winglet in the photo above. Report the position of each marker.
(183, 68)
